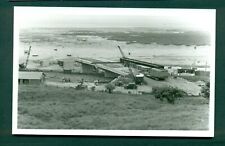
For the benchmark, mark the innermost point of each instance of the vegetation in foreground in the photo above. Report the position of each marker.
(41, 107)
(169, 93)
(206, 90)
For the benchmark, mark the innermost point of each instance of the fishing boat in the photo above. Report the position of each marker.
(26, 51)
(35, 55)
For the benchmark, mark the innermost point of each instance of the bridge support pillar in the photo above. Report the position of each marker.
(88, 69)
(109, 74)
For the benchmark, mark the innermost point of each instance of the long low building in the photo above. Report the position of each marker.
(26, 77)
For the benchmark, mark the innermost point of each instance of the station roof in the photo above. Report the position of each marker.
(30, 75)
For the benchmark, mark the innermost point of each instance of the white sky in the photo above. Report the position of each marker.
(197, 19)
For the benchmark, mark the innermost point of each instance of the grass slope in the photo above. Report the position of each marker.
(41, 107)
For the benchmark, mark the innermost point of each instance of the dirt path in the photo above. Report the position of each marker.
(189, 87)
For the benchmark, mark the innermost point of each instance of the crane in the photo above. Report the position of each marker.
(23, 66)
(159, 74)
(28, 55)
(136, 79)
(129, 68)
(121, 51)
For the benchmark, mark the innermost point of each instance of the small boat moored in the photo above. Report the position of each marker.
(35, 55)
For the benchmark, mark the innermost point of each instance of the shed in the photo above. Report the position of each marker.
(30, 77)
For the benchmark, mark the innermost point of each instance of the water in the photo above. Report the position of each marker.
(103, 44)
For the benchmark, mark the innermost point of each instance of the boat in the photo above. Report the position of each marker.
(35, 55)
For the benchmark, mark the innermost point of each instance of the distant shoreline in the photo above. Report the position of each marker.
(132, 35)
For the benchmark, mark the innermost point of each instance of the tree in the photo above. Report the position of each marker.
(206, 90)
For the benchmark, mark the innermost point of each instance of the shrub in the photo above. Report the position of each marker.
(93, 88)
(205, 90)
(109, 87)
(170, 93)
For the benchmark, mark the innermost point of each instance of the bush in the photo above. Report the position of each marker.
(110, 87)
(93, 88)
(170, 93)
(205, 90)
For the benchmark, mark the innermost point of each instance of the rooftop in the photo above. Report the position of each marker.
(30, 75)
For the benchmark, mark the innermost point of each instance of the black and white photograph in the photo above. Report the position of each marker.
(114, 71)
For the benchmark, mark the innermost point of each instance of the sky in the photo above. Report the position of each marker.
(193, 19)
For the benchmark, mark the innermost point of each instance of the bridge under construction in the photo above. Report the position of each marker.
(126, 60)
(111, 68)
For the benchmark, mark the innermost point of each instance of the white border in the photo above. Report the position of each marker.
(164, 133)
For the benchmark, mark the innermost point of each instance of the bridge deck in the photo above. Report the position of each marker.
(142, 63)
(100, 66)
(114, 70)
